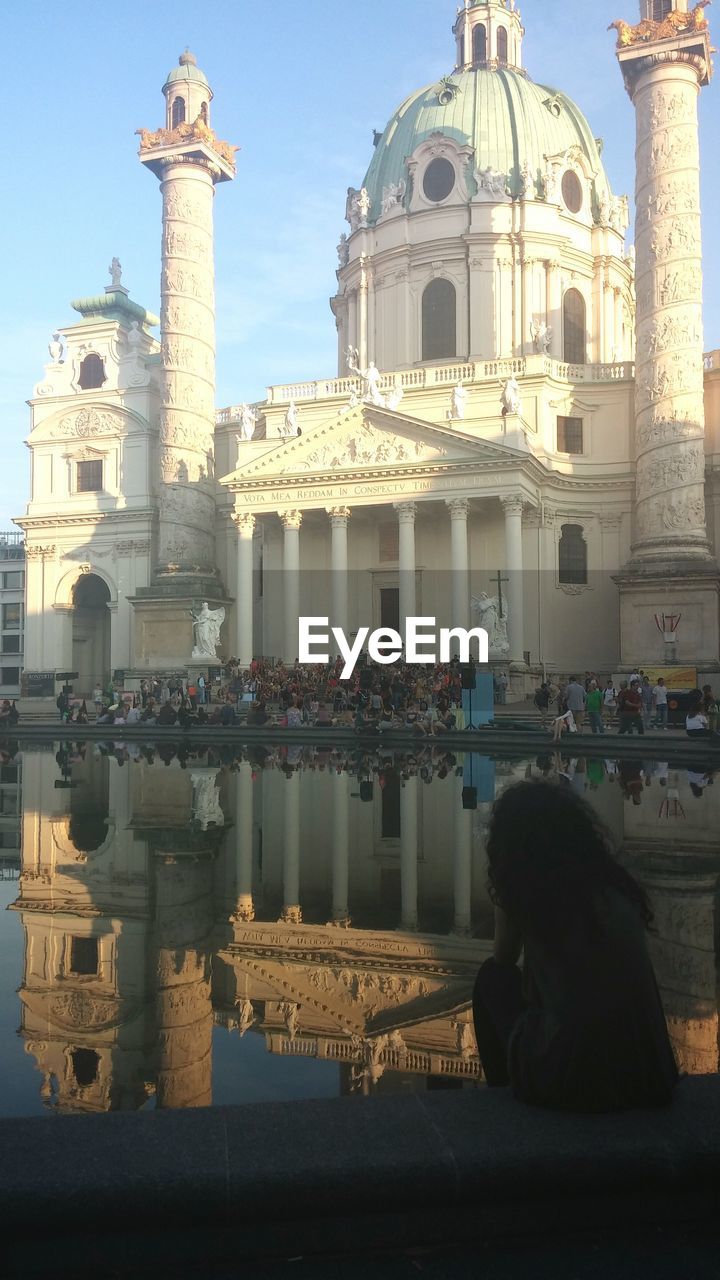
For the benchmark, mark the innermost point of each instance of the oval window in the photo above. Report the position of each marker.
(572, 191)
(439, 180)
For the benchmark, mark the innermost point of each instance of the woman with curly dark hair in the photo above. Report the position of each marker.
(582, 1027)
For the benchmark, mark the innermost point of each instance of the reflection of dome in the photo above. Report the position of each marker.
(509, 121)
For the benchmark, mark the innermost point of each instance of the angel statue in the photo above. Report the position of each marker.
(206, 626)
(541, 335)
(370, 376)
(115, 273)
(511, 403)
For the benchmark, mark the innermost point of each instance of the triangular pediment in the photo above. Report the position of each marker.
(368, 438)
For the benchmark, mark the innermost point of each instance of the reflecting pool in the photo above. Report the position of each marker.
(197, 926)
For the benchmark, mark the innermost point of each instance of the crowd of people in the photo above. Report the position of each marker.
(424, 700)
(635, 707)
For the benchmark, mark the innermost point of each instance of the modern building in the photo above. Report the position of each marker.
(12, 613)
(524, 430)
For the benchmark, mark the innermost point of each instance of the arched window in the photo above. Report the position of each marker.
(502, 46)
(573, 556)
(439, 321)
(479, 44)
(178, 112)
(659, 9)
(92, 372)
(574, 339)
(204, 113)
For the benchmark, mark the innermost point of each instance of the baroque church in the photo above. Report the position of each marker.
(524, 429)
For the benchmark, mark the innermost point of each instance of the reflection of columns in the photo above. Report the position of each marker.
(291, 521)
(245, 909)
(458, 508)
(513, 508)
(341, 849)
(462, 864)
(183, 920)
(409, 853)
(406, 518)
(291, 912)
(245, 525)
(339, 517)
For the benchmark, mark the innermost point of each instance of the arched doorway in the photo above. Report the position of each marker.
(90, 634)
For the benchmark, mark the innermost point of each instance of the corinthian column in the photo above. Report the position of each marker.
(245, 525)
(664, 85)
(291, 522)
(458, 508)
(339, 517)
(408, 602)
(513, 508)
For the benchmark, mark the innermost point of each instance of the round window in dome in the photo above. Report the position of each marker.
(572, 191)
(439, 180)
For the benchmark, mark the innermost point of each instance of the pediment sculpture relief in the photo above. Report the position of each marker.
(364, 447)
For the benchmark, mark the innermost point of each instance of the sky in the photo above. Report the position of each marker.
(300, 88)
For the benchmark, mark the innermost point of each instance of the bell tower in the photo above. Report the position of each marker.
(665, 61)
(489, 34)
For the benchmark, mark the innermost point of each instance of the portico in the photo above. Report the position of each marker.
(370, 520)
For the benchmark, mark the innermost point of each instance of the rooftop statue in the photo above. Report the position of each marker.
(115, 270)
(675, 24)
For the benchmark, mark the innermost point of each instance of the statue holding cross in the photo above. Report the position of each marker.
(493, 614)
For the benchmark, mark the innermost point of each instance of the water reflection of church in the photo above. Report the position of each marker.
(327, 913)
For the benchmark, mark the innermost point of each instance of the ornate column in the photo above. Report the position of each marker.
(462, 864)
(244, 796)
(513, 508)
(664, 85)
(406, 518)
(291, 912)
(245, 525)
(291, 522)
(409, 854)
(189, 161)
(339, 517)
(458, 508)
(341, 850)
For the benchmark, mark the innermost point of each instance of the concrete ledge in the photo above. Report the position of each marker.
(314, 1177)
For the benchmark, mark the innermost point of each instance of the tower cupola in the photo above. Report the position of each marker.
(489, 33)
(187, 93)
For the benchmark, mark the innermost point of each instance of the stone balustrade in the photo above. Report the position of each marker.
(445, 375)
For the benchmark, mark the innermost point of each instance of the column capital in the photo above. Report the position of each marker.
(291, 519)
(513, 504)
(244, 523)
(406, 512)
(458, 508)
(339, 516)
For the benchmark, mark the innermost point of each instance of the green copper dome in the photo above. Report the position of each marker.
(510, 121)
(187, 69)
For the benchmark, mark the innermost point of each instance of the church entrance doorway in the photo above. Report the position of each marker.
(390, 608)
(90, 634)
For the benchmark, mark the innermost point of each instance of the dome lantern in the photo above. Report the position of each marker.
(489, 33)
(187, 93)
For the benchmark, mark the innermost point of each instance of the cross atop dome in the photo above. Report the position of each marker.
(489, 33)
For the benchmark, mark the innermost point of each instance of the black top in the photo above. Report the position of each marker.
(594, 1037)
